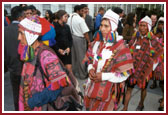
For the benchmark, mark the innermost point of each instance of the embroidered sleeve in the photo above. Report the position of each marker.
(54, 71)
(115, 77)
(90, 66)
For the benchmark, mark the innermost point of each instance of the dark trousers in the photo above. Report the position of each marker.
(15, 82)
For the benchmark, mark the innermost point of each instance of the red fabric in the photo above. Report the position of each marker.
(35, 83)
(102, 90)
(143, 62)
(116, 97)
(45, 25)
(7, 19)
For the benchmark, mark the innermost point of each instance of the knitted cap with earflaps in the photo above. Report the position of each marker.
(34, 27)
(113, 17)
(148, 21)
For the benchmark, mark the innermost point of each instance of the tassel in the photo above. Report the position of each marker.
(132, 49)
(149, 35)
(46, 42)
(152, 52)
(55, 86)
(113, 96)
(137, 34)
(125, 73)
(99, 57)
(64, 82)
(134, 34)
(90, 57)
(61, 82)
(31, 54)
(68, 80)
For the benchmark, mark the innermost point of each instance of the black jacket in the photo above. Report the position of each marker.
(120, 28)
(63, 37)
(11, 56)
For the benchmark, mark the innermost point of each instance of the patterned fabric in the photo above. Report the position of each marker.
(101, 95)
(159, 71)
(26, 52)
(115, 97)
(143, 57)
(32, 84)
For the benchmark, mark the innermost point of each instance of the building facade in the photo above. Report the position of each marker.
(93, 8)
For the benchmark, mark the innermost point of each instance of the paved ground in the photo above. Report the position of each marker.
(151, 101)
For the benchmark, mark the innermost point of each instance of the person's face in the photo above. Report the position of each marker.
(65, 18)
(22, 37)
(105, 27)
(28, 13)
(34, 12)
(159, 35)
(143, 28)
(161, 26)
(102, 12)
(86, 10)
(121, 14)
(21, 18)
(154, 19)
(47, 14)
(81, 12)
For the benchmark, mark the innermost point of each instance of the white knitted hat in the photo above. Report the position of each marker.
(32, 28)
(148, 21)
(161, 19)
(113, 17)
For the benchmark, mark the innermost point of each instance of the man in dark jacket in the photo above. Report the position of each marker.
(11, 57)
(88, 20)
(120, 12)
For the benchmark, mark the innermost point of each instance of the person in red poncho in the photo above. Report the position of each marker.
(109, 63)
(145, 49)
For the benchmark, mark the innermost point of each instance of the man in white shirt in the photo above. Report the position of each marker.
(79, 32)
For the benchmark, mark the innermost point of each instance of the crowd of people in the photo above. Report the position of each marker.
(47, 55)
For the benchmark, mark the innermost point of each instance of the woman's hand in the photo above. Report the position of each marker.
(98, 77)
(92, 74)
(68, 51)
(61, 51)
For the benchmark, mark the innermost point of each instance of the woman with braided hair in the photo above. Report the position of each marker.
(109, 63)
